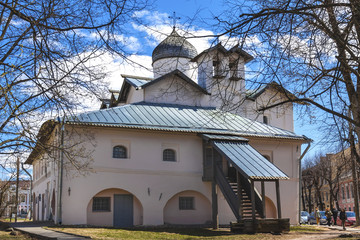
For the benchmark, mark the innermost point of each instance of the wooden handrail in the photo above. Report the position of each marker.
(228, 193)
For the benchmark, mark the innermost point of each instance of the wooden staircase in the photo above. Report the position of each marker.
(245, 208)
(240, 204)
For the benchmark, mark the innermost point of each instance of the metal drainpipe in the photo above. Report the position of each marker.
(300, 177)
(31, 184)
(60, 178)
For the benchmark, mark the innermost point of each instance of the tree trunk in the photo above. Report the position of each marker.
(355, 189)
(354, 160)
(303, 191)
(17, 187)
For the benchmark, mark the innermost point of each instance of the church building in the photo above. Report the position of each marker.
(187, 146)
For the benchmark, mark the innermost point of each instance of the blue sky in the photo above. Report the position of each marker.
(197, 19)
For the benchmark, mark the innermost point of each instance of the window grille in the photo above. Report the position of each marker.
(169, 155)
(101, 204)
(119, 152)
(186, 203)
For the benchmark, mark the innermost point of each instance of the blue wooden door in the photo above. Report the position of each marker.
(123, 210)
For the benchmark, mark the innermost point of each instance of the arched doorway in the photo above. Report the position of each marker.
(114, 207)
(187, 207)
(270, 208)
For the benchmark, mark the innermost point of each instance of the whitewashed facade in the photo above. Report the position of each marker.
(160, 179)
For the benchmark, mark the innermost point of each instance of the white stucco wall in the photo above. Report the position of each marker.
(284, 154)
(280, 116)
(174, 90)
(105, 218)
(154, 182)
(166, 65)
(135, 95)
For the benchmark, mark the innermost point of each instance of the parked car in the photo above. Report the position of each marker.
(304, 217)
(350, 219)
(312, 219)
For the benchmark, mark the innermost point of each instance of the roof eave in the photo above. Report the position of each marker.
(180, 75)
(42, 137)
(192, 130)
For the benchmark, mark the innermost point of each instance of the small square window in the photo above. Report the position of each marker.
(101, 204)
(186, 203)
(169, 155)
(119, 152)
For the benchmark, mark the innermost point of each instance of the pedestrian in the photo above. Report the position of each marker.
(328, 215)
(343, 217)
(317, 216)
(335, 214)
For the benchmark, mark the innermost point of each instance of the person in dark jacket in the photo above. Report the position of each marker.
(328, 215)
(343, 217)
(335, 214)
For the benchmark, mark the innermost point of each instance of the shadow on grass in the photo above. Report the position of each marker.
(199, 232)
(191, 231)
(3, 225)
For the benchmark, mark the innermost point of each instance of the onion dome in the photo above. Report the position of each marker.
(174, 46)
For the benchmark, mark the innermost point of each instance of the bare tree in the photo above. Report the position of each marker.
(309, 47)
(46, 49)
(307, 186)
(321, 171)
(4, 194)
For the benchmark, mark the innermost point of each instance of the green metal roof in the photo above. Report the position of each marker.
(209, 137)
(179, 118)
(249, 162)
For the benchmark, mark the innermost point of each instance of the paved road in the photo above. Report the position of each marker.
(36, 229)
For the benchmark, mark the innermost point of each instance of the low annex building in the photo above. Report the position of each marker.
(175, 149)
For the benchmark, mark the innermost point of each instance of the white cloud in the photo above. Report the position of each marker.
(158, 26)
(138, 65)
(153, 18)
(130, 43)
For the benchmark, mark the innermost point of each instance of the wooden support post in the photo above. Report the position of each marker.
(263, 199)
(215, 219)
(253, 199)
(239, 193)
(278, 198)
(214, 200)
(254, 226)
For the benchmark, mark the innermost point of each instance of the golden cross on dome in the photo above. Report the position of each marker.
(174, 19)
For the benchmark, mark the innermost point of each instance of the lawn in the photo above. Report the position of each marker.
(4, 235)
(13, 220)
(179, 233)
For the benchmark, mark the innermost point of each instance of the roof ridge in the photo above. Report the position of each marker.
(176, 117)
(136, 77)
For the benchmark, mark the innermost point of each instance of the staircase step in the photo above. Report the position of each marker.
(246, 204)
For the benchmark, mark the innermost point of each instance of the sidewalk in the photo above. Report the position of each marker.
(36, 229)
(349, 229)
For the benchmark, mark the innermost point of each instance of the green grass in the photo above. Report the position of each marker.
(4, 235)
(177, 233)
(307, 229)
(13, 220)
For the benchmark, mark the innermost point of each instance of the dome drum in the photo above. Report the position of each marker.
(174, 46)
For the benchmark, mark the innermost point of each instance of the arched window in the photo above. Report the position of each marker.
(265, 120)
(267, 157)
(119, 152)
(169, 155)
